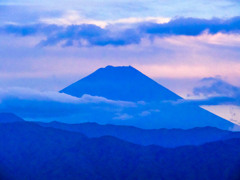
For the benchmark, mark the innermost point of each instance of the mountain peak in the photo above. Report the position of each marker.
(118, 68)
(122, 67)
(120, 83)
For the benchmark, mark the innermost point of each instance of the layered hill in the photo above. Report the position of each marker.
(29, 151)
(161, 137)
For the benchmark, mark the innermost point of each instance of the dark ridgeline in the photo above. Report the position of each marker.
(30, 151)
(128, 84)
(160, 137)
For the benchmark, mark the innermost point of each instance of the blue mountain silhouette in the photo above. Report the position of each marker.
(120, 83)
(29, 151)
(128, 84)
(160, 137)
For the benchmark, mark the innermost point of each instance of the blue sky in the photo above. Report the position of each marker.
(47, 45)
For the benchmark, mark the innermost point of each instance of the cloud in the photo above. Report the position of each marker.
(73, 17)
(193, 26)
(212, 101)
(121, 35)
(174, 57)
(216, 87)
(215, 92)
(45, 104)
(123, 116)
(92, 35)
(48, 106)
(31, 30)
(148, 112)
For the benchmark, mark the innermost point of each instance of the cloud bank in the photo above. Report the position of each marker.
(121, 35)
(31, 103)
(48, 106)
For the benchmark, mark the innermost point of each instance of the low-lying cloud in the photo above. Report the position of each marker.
(48, 106)
(37, 104)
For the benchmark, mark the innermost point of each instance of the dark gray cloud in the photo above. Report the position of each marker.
(115, 35)
(88, 35)
(193, 26)
(31, 30)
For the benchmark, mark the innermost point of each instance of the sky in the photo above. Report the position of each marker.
(190, 47)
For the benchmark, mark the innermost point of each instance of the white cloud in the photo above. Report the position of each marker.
(33, 103)
(123, 116)
(36, 95)
(74, 18)
(148, 112)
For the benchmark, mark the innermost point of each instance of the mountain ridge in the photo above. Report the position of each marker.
(160, 137)
(30, 151)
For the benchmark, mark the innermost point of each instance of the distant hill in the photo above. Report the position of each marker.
(26, 147)
(29, 151)
(161, 137)
(162, 108)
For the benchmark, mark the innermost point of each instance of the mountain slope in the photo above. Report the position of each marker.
(9, 117)
(29, 151)
(161, 137)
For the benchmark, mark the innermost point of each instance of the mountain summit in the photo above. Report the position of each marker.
(120, 83)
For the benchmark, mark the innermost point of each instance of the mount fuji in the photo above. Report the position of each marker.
(120, 83)
(125, 83)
